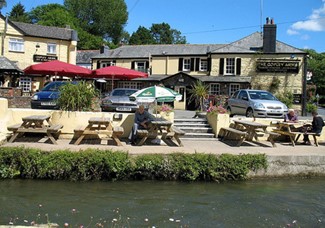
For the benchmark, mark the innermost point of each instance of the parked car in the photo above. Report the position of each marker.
(257, 103)
(47, 97)
(118, 100)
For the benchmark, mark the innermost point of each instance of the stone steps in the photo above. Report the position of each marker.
(195, 128)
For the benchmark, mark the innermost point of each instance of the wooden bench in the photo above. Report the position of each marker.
(143, 134)
(309, 133)
(272, 137)
(225, 132)
(13, 127)
(292, 135)
(176, 133)
(117, 134)
(54, 129)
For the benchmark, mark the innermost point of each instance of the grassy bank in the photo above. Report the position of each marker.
(27, 163)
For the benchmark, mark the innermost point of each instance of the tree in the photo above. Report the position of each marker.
(3, 3)
(199, 91)
(157, 34)
(316, 65)
(105, 18)
(18, 14)
(141, 36)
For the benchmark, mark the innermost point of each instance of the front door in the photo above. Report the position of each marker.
(180, 104)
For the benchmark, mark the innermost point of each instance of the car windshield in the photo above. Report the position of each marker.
(123, 92)
(54, 87)
(261, 95)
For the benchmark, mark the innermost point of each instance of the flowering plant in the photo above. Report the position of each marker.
(163, 108)
(217, 109)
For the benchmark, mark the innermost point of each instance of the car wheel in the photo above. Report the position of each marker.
(249, 112)
(229, 111)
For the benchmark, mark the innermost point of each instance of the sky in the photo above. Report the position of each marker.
(300, 23)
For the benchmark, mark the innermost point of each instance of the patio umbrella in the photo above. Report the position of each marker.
(59, 68)
(115, 72)
(155, 94)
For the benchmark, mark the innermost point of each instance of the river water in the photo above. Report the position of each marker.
(256, 203)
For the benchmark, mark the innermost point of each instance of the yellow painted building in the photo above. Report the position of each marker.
(257, 61)
(27, 44)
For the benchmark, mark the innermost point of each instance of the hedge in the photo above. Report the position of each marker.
(106, 165)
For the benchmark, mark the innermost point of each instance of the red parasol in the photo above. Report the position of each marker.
(115, 72)
(59, 68)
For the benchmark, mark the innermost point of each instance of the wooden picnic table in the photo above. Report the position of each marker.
(294, 131)
(254, 129)
(100, 125)
(35, 124)
(162, 128)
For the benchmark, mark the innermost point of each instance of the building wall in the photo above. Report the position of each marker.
(66, 51)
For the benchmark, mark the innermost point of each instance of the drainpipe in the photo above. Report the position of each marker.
(4, 36)
(304, 88)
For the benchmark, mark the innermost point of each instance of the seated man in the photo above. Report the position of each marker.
(291, 117)
(316, 127)
(141, 121)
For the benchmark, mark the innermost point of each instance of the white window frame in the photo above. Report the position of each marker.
(187, 64)
(214, 89)
(233, 87)
(25, 83)
(129, 84)
(51, 48)
(203, 65)
(230, 66)
(140, 68)
(16, 44)
(106, 64)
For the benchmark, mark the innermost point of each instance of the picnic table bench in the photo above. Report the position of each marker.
(243, 130)
(286, 128)
(35, 124)
(97, 126)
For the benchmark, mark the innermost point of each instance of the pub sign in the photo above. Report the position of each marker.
(44, 58)
(274, 65)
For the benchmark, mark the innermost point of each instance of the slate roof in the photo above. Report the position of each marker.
(44, 31)
(254, 43)
(84, 56)
(8, 66)
(143, 51)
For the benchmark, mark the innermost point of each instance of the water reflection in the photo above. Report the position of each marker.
(275, 203)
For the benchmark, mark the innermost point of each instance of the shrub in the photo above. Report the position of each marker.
(78, 97)
(107, 165)
(286, 98)
(311, 107)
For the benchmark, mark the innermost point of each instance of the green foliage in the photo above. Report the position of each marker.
(3, 3)
(286, 98)
(105, 18)
(18, 14)
(275, 84)
(310, 107)
(78, 97)
(91, 164)
(198, 92)
(157, 34)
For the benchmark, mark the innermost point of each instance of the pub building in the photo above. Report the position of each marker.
(255, 61)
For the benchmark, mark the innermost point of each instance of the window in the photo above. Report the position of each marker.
(129, 84)
(233, 88)
(203, 65)
(16, 44)
(141, 66)
(230, 66)
(186, 64)
(25, 84)
(214, 89)
(108, 63)
(51, 48)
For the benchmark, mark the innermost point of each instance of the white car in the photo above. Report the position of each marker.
(256, 103)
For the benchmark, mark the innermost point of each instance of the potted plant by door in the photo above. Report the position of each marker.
(199, 93)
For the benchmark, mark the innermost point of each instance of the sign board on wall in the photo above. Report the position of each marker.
(275, 65)
(297, 98)
(44, 58)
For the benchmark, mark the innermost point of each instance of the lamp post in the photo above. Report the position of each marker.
(304, 87)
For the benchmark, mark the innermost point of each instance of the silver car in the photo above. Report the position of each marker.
(257, 103)
(118, 100)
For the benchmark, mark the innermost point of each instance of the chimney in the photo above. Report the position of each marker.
(103, 49)
(269, 36)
